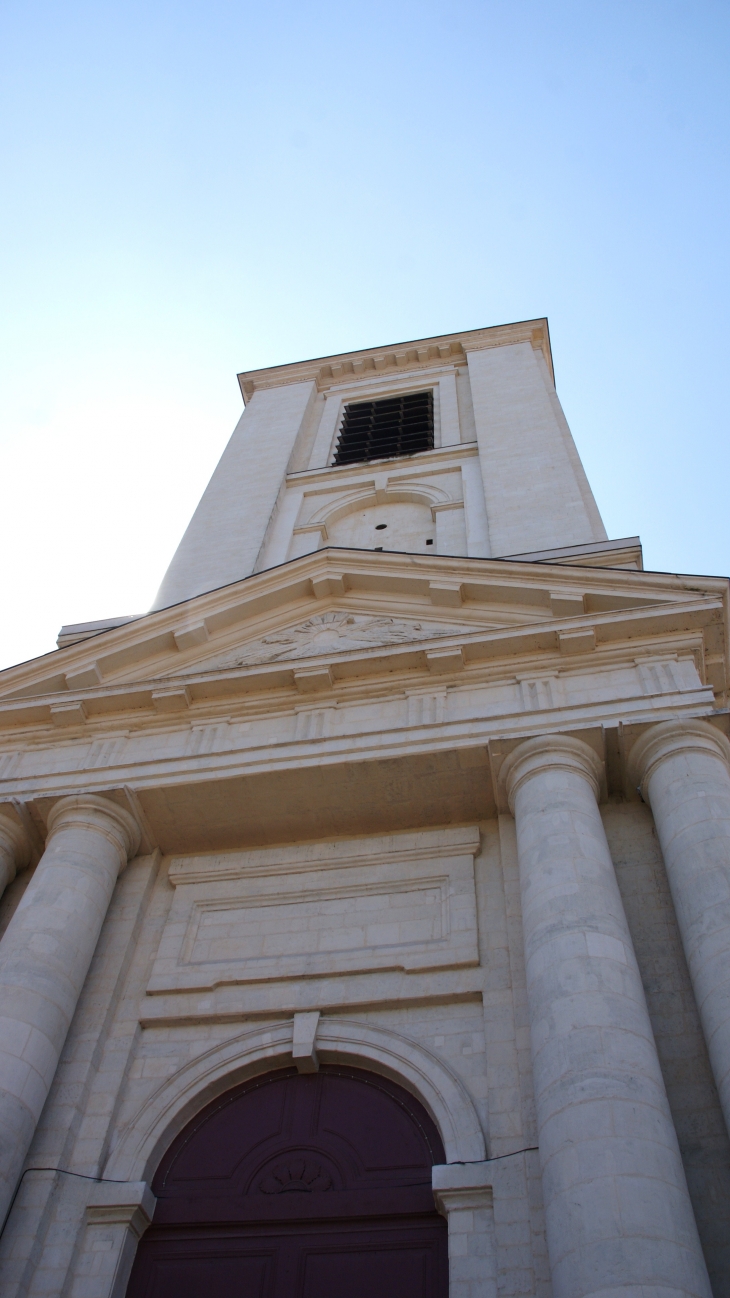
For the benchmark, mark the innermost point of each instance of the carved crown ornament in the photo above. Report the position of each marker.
(296, 1176)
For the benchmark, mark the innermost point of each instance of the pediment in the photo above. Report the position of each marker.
(331, 633)
(344, 606)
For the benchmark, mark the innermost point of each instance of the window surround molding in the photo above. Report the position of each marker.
(442, 383)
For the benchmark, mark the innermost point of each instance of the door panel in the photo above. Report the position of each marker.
(397, 1261)
(314, 1186)
(175, 1270)
(409, 1268)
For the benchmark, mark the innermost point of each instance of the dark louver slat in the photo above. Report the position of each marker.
(377, 430)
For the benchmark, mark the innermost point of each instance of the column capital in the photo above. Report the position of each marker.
(545, 753)
(14, 847)
(89, 811)
(667, 739)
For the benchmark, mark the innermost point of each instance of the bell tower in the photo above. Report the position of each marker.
(454, 445)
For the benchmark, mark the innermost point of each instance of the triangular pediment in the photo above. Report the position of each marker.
(330, 633)
(393, 612)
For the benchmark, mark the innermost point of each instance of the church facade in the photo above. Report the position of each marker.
(366, 904)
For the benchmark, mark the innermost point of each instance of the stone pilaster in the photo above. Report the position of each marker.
(44, 958)
(463, 1194)
(116, 1218)
(14, 851)
(683, 769)
(618, 1212)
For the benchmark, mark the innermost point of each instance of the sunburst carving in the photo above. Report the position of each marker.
(325, 633)
(298, 1176)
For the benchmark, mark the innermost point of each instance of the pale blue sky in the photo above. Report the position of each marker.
(194, 189)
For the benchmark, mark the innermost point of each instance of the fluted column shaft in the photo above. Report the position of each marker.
(683, 768)
(618, 1213)
(45, 955)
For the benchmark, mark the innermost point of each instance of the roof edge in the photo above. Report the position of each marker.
(419, 353)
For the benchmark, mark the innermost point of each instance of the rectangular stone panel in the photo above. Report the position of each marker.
(402, 902)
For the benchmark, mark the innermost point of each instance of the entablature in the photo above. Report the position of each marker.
(342, 661)
(421, 354)
(597, 644)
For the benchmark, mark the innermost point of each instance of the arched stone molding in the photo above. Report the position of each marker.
(407, 1062)
(147, 1135)
(422, 494)
(318, 522)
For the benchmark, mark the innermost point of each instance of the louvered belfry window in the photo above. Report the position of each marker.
(378, 430)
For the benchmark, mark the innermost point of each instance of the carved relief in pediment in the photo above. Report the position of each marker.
(326, 633)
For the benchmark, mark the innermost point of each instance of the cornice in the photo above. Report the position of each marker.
(420, 355)
(378, 849)
(428, 462)
(111, 679)
(557, 644)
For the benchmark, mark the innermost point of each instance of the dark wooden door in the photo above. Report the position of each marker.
(314, 1186)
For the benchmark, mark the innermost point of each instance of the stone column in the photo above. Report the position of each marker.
(618, 1213)
(45, 955)
(683, 768)
(14, 851)
(463, 1194)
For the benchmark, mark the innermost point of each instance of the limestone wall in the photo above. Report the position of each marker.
(225, 533)
(536, 491)
(150, 1044)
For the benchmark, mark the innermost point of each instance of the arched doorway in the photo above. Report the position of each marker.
(299, 1186)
